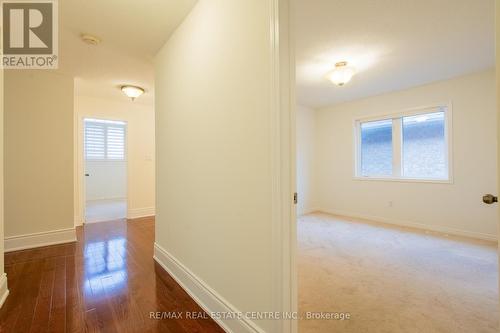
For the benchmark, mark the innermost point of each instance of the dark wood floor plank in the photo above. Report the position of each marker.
(57, 320)
(31, 286)
(12, 308)
(105, 282)
(91, 322)
(44, 302)
(74, 303)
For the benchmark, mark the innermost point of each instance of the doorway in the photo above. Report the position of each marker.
(393, 235)
(105, 165)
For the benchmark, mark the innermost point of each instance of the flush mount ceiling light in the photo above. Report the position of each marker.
(89, 39)
(341, 74)
(132, 91)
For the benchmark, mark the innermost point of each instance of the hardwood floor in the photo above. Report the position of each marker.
(105, 282)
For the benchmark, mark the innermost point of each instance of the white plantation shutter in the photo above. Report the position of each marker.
(115, 139)
(95, 141)
(104, 140)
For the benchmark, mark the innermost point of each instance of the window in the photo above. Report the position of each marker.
(104, 140)
(412, 145)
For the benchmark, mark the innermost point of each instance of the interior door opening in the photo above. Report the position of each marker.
(105, 179)
(391, 225)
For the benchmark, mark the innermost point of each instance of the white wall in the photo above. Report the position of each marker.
(140, 150)
(214, 219)
(106, 180)
(306, 134)
(38, 156)
(454, 208)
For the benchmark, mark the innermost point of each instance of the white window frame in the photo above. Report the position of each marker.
(397, 144)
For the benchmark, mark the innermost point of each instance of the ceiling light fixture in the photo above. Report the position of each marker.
(89, 39)
(132, 91)
(341, 74)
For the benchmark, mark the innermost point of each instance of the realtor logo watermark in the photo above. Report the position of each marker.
(30, 34)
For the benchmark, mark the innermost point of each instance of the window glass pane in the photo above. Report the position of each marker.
(424, 146)
(376, 148)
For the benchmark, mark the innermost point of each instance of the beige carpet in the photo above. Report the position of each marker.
(393, 279)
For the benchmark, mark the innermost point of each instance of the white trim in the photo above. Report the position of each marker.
(404, 180)
(136, 213)
(307, 211)
(439, 229)
(4, 291)
(397, 148)
(413, 111)
(207, 298)
(282, 134)
(29, 241)
(78, 221)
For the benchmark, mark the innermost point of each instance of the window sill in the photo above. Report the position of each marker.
(405, 180)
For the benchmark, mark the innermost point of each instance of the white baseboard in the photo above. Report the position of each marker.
(106, 199)
(207, 298)
(307, 211)
(4, 291)
(421, 226)
(136, 213)
(23, 242)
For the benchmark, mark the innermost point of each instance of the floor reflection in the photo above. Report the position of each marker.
(105, 282)
(105, 266)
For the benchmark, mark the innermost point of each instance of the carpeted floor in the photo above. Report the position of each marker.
(392, 279)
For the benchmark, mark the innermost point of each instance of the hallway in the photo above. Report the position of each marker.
(105, 282)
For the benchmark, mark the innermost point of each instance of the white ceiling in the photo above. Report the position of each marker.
(394, 44)
(131, 31)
